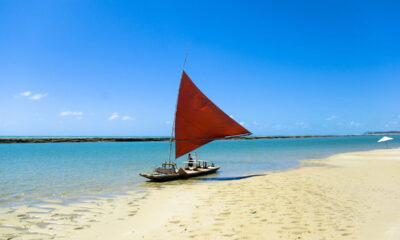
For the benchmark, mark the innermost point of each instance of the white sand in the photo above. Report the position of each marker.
(347, 196)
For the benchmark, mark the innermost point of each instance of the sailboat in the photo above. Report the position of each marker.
(198, 121)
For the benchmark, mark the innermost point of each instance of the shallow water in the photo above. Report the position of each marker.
(61, 171)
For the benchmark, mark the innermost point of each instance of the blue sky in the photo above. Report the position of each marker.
(278, 67)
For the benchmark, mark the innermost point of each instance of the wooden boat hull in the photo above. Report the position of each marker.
(185, 174)
(181, 174)
(161, 178)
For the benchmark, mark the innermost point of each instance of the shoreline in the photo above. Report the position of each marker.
(345, 196)
(127, 189)
(4, 140)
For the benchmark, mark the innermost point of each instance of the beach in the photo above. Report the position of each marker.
(346, 196)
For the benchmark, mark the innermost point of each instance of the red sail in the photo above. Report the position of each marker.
(198, 120)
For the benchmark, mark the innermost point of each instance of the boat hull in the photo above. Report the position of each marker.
(181, 174)
(161, 178)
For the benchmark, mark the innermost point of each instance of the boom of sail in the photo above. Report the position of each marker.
(199, 121)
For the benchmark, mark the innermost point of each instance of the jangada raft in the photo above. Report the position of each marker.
(198, 121)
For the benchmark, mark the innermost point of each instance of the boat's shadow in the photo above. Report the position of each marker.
(161, 185)
(228, 178)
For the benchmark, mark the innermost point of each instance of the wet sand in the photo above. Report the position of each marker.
(346, 196)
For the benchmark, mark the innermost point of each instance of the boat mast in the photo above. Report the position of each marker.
(176, 105)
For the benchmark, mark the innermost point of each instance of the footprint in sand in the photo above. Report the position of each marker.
(225, 213)
(132, 213)
(23, 216)
(228, 234)
(219, 224)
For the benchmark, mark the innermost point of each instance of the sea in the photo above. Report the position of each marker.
(32, 173)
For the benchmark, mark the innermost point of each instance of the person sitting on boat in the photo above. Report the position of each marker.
(190, 160)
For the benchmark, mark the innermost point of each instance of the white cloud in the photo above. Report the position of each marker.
(127, 118)
(71, 113)
(31, 96)
(242, 123)
(113, 116)
(38, 96)
(392, 124)
(168, 122)
(231, 116)
(330, 118)
(280, 126)
(25, 94)
(300, 124)
(341, 124)
(354, 124)
(116, 116)
(254, 123)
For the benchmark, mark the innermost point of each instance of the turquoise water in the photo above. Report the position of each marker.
(35, 172)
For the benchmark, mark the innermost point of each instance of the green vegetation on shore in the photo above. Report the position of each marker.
(146, 139)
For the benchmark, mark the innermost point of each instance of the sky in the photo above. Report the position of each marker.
(112, 68)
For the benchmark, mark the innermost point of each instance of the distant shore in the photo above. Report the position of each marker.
(148, 139)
